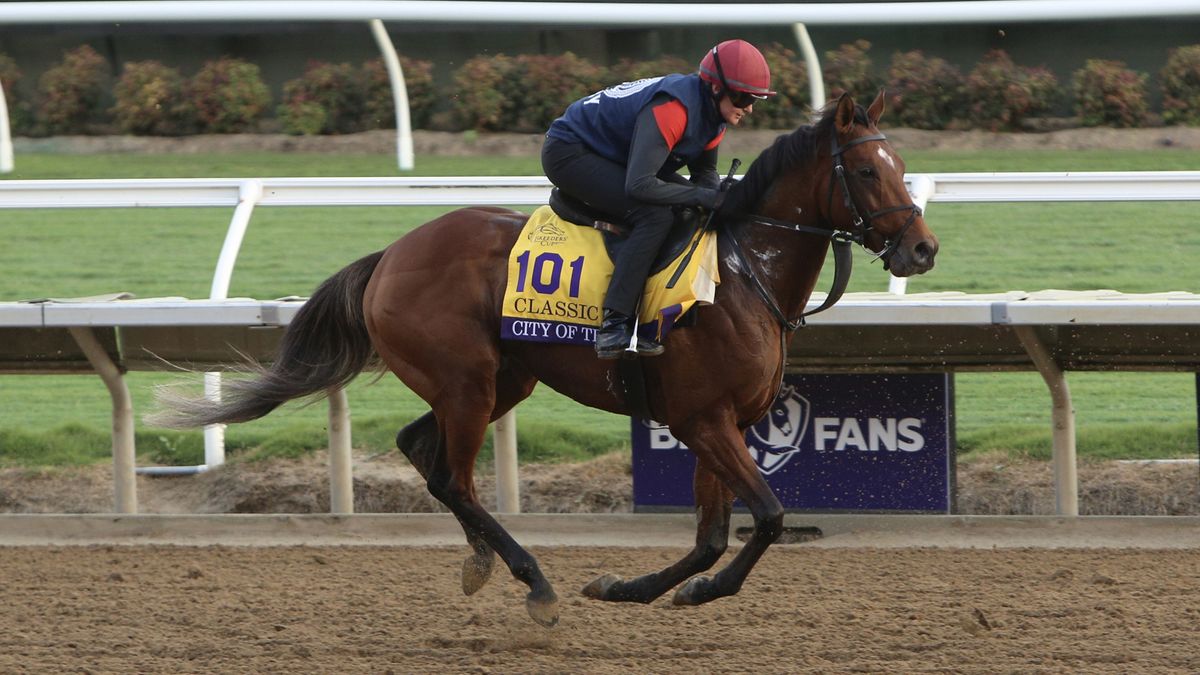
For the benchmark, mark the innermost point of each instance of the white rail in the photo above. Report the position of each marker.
(592, 13)
(1065, 186)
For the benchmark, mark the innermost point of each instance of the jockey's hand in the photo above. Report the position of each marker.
(719, 213)
(725, 209)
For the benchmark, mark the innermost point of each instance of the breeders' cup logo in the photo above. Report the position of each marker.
(548, 234)
(777, 436)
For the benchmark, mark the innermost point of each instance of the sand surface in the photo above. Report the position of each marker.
(153, 609)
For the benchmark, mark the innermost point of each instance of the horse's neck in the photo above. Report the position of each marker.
(788, 263)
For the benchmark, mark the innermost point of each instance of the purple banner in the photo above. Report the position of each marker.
(830, 443)
(544, 330)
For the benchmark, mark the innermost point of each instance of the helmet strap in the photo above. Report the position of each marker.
(720, 73)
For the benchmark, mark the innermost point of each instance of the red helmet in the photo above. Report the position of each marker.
(736, 65)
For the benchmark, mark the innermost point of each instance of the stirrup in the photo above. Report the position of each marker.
(649, 347)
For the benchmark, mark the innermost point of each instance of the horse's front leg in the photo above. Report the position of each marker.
(713, 505)
(724, 448)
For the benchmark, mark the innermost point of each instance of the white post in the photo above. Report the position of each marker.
(404, 142)
(249, 194)
(341, 472)
(504, 442)
(1066, 481)
(214, 434)
(816, 81)
(123, 450)
(6, 148)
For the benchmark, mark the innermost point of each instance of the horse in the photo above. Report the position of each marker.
(427, 308)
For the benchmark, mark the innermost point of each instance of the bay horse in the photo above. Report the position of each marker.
(428, 307)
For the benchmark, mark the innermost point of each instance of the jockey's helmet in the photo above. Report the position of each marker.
(736, 66)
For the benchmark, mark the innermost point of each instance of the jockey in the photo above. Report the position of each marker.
(619, 150)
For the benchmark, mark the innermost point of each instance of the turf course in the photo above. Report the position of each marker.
(171, 252)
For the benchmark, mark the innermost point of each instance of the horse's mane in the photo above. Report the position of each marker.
(787, 152)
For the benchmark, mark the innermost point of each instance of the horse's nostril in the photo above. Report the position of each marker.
(923, 252)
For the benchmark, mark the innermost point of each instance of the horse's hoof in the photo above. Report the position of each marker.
(598, 589)
(476, 571)
(543, 610)
(692, 593)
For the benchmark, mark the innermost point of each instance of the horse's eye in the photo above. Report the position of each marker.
(866, 172)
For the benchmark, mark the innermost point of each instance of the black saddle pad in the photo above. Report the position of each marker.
(579, 212)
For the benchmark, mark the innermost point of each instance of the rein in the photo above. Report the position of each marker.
(839, 238)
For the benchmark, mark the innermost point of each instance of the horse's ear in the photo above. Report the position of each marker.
(876, 109)
(844, 118)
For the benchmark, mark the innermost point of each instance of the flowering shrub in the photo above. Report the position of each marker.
(1108, 93)
(848, 69)
(1181, 86)
(9, 75)
(70, 93)
(789, 79)
(524, 93)
(924, 92)
(150, 100)
(628, 70)
(380, 111)
(543, 86)
(1003, 94)
(336, 90)
(229, 96)
(478, 101)
(20, 116)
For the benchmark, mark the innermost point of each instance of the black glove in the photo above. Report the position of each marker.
(725, 208)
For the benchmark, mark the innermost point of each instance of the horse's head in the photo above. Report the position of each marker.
(867, 196)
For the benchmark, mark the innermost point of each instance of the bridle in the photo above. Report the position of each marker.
(864, 226)
(840, 238)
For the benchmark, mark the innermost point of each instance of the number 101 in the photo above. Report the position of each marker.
(546, 281)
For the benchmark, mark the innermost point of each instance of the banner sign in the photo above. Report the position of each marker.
(830, 443)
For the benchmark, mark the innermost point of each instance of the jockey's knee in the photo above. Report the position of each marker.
(652, 216)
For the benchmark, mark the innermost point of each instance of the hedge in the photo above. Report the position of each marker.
(526, 92)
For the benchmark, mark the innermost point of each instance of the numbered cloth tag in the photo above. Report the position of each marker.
(558, 273)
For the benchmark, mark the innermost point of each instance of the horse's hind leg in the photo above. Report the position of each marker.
(421, 441)
(714, 503)
(463, 415)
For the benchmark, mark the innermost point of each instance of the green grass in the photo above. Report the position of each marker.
(951, 161)
(258, 165)
(288, 251)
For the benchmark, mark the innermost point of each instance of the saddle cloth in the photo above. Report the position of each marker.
(558, 274)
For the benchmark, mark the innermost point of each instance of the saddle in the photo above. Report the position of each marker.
(578, 212)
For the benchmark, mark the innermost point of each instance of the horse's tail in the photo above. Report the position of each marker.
(324, 347)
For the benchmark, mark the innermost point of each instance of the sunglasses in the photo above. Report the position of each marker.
(742, 99)
(739, 99)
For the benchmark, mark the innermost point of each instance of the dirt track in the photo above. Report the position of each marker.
(369, 609)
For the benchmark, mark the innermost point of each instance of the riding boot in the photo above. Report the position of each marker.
(616, 330)
(647, 346)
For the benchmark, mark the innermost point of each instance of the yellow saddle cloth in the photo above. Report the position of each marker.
(558, 273)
